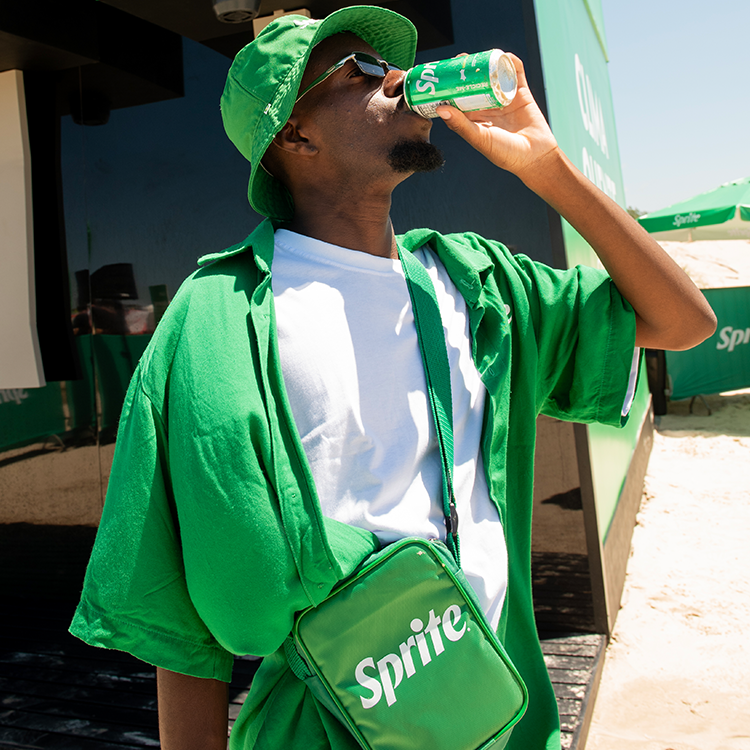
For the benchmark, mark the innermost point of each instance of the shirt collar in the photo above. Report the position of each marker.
(466, 265)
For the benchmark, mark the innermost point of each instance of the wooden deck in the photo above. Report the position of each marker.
(56, 692)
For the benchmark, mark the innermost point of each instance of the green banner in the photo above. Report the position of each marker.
(579, 102)
(722, 362)
(31, 415)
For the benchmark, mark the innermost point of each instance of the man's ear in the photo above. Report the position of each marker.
(293, 138)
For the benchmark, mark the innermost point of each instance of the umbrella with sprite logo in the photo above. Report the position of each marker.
(719, 214)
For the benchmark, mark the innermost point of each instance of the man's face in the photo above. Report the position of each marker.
(361, 122)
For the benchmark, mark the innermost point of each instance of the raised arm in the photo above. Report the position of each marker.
(671, 313)
(192, 712)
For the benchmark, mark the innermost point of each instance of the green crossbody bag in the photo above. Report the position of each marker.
(401, 652)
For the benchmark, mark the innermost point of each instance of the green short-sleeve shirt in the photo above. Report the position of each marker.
(212, 536)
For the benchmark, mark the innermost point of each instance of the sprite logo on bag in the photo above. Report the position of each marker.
(403, 662)
(397, 637)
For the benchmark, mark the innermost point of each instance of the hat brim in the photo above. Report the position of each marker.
(393, 36)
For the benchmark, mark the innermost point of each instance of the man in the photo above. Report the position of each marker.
(257, 466)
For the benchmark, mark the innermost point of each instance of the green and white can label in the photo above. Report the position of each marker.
(484, 80)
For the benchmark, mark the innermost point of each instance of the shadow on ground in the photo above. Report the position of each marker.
(717, 414)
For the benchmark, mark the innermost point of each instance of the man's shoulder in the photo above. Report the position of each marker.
(258, 244)
(469, 253)
(210, 308)
(415, 238)
(229, 274)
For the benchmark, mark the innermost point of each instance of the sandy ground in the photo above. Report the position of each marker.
(677, 672)
(48, 486)
(715, 264)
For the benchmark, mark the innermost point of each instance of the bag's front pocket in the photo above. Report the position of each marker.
(407, 660)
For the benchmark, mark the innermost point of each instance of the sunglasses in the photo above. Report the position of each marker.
(369, 65)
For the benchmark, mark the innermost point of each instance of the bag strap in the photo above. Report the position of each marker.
(296, 663)
(429, 325)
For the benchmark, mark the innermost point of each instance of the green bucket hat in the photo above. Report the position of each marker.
(264, 79)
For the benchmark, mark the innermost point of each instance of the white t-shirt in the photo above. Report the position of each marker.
(355, 379)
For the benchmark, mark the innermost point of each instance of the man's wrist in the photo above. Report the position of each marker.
(544, 176)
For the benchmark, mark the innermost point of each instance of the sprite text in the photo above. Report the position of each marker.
(388, 672)
(428, 79)
(691, 218)
(731, 337)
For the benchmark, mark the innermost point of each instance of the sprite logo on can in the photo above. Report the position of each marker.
(484, 80)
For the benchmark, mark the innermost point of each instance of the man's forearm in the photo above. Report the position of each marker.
(192, 712)
(670, 311)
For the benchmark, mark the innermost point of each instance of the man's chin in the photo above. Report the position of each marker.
(415, 156)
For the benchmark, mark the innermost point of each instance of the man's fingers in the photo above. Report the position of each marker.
(520, 70)
(459, 123)
(454, 118)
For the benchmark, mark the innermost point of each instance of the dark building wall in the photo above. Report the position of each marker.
(469, 193)
(144, 196)
(159, 185)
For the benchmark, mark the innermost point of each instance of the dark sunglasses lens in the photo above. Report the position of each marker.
(372, 66)
(370, 69)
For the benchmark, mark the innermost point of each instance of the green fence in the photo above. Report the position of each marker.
(722, 362)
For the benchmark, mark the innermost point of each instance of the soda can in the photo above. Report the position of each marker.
(484, 80)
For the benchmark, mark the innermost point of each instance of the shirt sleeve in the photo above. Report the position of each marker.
(135, 596)
(585, 334)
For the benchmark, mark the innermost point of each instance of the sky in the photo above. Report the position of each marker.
(679, 74)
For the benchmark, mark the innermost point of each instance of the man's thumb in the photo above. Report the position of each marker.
(457, 121)
(446, 113)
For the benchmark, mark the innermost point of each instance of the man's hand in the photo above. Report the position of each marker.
(670, 311)
(516, 138)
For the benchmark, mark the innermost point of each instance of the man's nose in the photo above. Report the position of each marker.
(393, 83)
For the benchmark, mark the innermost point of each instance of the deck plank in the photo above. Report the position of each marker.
(574, 663)
(57, 693)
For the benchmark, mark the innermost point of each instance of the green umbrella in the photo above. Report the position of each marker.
(719, 214)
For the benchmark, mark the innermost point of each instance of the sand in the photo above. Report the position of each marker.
(677, 671)
(713, 264)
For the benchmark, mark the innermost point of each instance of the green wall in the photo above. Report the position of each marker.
(579, 102)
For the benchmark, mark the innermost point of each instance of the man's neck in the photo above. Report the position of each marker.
(350, 221)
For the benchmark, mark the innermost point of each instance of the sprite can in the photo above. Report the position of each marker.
(484, 80)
